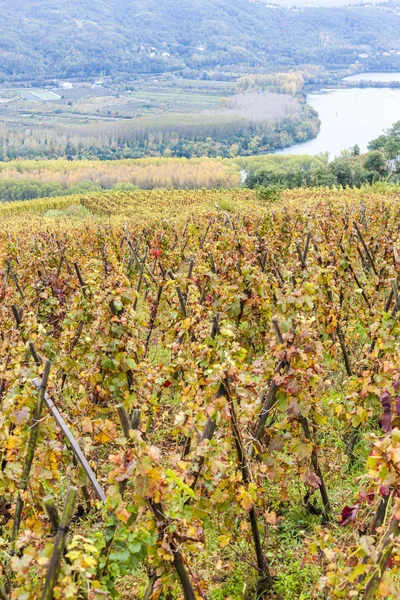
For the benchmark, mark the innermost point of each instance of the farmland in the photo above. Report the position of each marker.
(121, 100)
(229, 369)
(25, 110)
(153, 117)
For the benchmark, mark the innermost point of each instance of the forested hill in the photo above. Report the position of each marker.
(60, 38)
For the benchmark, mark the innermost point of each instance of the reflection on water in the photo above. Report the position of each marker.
(387, 77)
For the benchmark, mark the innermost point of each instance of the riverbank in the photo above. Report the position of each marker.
(350, 114)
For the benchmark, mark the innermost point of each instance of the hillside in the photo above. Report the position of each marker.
(39, 38)
(227, 373)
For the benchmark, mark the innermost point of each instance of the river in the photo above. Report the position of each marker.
(386, 77)
(351, 116)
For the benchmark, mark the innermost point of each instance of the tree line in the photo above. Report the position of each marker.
(350, 169)
(28, 179)
(240, 129)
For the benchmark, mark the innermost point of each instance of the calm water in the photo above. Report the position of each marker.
(350, 116)
(374, 77)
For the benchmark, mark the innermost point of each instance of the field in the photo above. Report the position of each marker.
(227, 372)
(169, 116)
(96, 102)
(34, 94)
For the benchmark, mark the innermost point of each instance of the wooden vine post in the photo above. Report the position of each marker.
(265, 580)
(33, 438)
(380, 567)
(59, 544)
(77, 453)
(3, 594)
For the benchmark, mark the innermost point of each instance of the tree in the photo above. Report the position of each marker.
(375, 161)
(392, 147)
(342, 172)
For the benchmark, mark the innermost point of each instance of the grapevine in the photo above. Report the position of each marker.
(201, 350)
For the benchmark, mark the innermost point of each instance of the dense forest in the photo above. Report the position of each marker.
(51, 39)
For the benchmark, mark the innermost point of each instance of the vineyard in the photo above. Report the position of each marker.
(200, 396)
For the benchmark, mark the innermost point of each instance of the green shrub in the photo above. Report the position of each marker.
(269, 194)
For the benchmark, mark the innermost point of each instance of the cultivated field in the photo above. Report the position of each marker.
(227, 375)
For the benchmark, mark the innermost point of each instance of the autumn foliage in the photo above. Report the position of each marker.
(204, 348)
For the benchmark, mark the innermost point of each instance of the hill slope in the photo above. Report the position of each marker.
(58, 39)
(263, 378)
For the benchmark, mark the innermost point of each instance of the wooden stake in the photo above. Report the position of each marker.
(52, 512)
(33, 437)
(387, 547)
(317, 468)
(265, 581)
(366, 249)
(3, 594)
(59, 544)
(181, 301)
(79, 275)
(72, 443)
